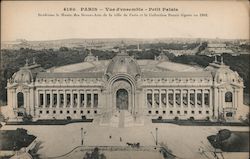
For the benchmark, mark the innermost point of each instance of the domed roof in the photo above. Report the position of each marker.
(24, 75)
(123, 63)
(222, 73)
(27, 73)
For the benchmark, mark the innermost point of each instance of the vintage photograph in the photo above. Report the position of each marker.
(124, 80)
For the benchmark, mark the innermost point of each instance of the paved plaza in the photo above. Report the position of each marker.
(183, 141)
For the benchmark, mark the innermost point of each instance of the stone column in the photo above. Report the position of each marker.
(210, 98)
(78, 99)
(26, 101)
(64, 99)
(237, 98)
(202, 98)
(174, 98)
(14, 98)
(188, 98)
(32, 101)
(195, 97)
(85, 99)
(44, 99)
(58, 99)
(51, 99)
(153, 98)
(222, 98)
(160, 105)
(37, 103)
(92, 99)
(181, 96)
(234, 95)
(71, 99)
(167, 98)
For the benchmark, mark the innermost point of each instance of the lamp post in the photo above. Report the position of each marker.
(81, 136)
(156, 136)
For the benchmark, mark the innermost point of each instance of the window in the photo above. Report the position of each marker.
(178, 99)
(95, 111)
(199, 98)
(48, 100)
(88, 100)
(41, 112)
(67, 112)
(156, 100)
(200, 112)
(82, 100)
(228, 97)
(192, 112)
(54, 112)
(54, 100)
(88, 111)
(95, 100)
(68, 100)
(207, 112)
(149, 100)
(75, 100)
(149, 112)
(47, 112)
(74, 111)
(61, 100)
(185, 112)
(178, 112)
(163, 99)
(206, 96)
(81, 111)
(61, 111)
(171, 112)
(156, 112)
(20, 100)
(171, 99)
(192, 99)
(184, 99)
(41, 100)
(164, 112)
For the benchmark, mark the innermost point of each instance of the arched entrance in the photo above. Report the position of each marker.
(122, 99)
(20, 100)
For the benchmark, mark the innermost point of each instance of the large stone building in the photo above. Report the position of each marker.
(140, 88)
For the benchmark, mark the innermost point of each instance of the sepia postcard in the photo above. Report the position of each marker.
(124, 79)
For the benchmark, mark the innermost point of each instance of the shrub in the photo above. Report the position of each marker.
(224, 134)
(176, 118)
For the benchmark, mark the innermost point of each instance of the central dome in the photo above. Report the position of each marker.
(123, 63)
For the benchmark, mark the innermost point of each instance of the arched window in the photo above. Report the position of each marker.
(228, 97)
(20, 100)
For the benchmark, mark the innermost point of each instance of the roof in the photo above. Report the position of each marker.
(176, 74)
(70, 75)
(123, 62)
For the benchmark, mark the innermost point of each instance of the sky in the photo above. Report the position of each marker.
(225, 20)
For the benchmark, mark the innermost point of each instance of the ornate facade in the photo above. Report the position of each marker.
(101, 88)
